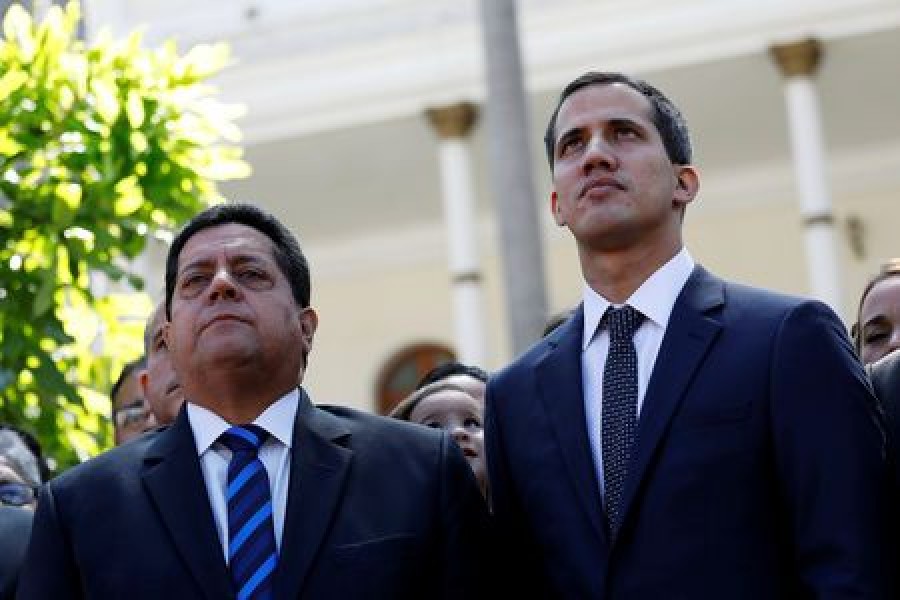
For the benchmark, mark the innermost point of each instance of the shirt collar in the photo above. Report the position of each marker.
(277, 419)
(655, 298)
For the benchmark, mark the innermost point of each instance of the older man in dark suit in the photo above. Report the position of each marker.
(679, 436)
(254, 492)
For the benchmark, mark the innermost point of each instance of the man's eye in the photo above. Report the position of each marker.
(251, 274)
(569, 146)
(193, 281)
(472, 422)
(432, 424)
(625, 131)
(875, 337)
(255, 278)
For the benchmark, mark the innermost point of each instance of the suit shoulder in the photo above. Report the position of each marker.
(379, 431)
(754, 306)
(114, 464)
(763, 298)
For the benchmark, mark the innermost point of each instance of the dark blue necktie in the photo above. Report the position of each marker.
(619, 406)
(252, 554)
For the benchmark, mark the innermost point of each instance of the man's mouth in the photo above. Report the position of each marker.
(223, 318)
(601, 185)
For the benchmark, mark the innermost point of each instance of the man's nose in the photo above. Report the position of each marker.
(894, 341)
(223, 286)
(598, 155)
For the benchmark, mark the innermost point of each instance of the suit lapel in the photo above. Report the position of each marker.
(689, 335)
(318, 470)
(560, 387)
(174, 481)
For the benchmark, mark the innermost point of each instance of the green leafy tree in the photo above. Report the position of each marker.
(101, 146)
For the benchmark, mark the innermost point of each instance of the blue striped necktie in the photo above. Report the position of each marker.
(252, 554)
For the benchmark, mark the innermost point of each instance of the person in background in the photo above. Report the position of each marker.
(21, 468)
(158, 380)
(21, 474)
(131, 414)
(451, 397)
(877, 327)
(15, 529)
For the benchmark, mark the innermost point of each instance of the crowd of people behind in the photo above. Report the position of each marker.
(674, 436)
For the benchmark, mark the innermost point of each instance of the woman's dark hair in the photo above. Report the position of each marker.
(450, 369)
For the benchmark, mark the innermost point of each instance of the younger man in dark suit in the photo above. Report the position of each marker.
(679, 436)
(254, 492)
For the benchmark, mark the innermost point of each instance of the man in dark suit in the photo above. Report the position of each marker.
(298, 501)
(679, 436)
(15, 528)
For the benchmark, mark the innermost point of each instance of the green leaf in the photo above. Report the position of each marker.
(129, 196)
(11, 81)
(44, 297)
(105, 101)
(134, 109)
(17, 29)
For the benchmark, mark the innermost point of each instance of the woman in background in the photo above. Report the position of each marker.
(877, 328)
(451, 397)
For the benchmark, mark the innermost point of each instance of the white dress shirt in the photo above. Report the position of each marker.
(275, 455)
(654, 299)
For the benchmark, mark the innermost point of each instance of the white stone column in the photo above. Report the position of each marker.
(798, 63)
(453, 124)
(511, 175)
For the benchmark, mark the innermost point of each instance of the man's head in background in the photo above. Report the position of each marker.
(158, 380)
(131, 415)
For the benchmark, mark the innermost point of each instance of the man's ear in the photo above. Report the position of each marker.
(309, 321)
(687, 181)
(556, 209)
(167, 333)
(143, 379)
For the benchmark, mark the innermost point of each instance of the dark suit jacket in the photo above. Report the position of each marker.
(377, 508)
(15, 528)
(757, 470)
(885, 375)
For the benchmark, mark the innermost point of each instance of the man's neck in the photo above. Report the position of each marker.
(617, 275)
(238, 400)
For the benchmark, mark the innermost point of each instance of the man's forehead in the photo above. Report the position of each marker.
(230, 238)
(607, 100)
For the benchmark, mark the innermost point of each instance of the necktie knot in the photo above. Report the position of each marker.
(244, 439)
(622, 322)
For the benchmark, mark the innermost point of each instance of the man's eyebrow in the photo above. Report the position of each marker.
(577, 129)
(196, 264)
(250, 258)
(627, 121)
(876, 320)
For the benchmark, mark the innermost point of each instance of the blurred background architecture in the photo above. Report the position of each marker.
(367, 134)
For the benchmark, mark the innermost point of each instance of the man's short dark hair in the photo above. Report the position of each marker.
(449, 370)
(127, 370)
(666, 117)
(288, 255)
